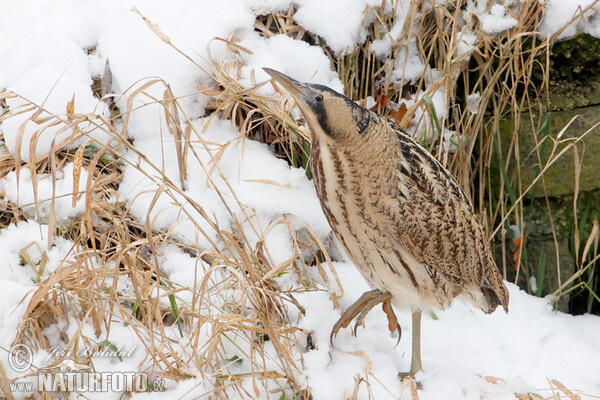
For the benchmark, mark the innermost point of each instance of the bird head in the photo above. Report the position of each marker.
(326, 111)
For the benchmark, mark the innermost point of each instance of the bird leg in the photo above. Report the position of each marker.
(361, 307)
(415, 358)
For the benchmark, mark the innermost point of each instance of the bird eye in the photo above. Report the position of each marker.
(319, 98)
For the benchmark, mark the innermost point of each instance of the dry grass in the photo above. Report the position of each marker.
(500, 69)
(236, 301)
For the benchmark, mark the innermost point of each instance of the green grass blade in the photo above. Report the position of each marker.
(509, 189)
(541, 273)
(174, 307)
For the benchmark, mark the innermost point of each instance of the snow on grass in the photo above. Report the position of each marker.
(21, 191)
(289, 56)
(495, 20)
(235, 166)
(339, 22)
(524, 348)
(52, 89)
(45, 60)
(21, 250)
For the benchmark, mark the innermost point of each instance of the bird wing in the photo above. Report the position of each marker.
(434, 221)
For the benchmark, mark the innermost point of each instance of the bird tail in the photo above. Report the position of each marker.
(495, 292)
(495, 299)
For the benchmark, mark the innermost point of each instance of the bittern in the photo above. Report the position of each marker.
(400, 216)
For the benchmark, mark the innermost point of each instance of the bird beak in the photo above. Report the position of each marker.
(299, 91)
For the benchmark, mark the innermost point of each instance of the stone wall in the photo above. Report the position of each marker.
(574, 94)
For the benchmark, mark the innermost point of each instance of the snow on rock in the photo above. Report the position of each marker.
(558, 14)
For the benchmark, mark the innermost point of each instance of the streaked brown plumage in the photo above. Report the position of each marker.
(399, 214)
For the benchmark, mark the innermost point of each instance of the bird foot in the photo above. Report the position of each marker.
(408, 378)
(361, 307)
(409, 374)
(393, 324)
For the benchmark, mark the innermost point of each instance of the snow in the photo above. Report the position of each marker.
(56, 87)
(467, 42)
(287, 55)
(46, 48)
(570, 13)
(533, 284)
(26, 239)
(339, 22)
(494, 21)
(20, 191)
(408, 66)
(524, 347)
(473, 101)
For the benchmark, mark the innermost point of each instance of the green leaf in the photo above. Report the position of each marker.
(432, 113)
(110, 345)
(541, 273)
(174, 307)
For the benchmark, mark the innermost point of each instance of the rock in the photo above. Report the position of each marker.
(537, 212)
(574, 100)
(540, 247)
(574, 73)
(541, 253)
(559, 178)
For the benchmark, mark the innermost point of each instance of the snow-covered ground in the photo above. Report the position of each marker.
(43, 44)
